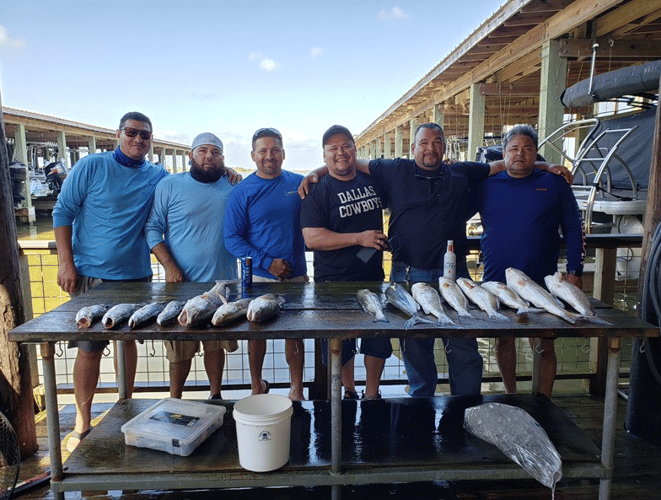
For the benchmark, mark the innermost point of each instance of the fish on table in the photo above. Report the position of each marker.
(371, 304)
(486, 301)
(201, 308)
(509, 297)
(87, 315)
(454, 296)
(170, 312)
(528, 290)
(430, 301)
(402, 300)
(573, 296)
(264, 307)
(230, 312)
(146, 314)
(118, 314)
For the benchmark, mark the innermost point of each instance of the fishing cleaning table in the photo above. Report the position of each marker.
(334, 442)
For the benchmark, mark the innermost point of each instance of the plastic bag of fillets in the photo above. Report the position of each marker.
(518, 436)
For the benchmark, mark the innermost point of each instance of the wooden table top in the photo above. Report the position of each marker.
(311, 310)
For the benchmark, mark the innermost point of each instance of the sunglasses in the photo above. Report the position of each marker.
(145, 135)
(266, 132)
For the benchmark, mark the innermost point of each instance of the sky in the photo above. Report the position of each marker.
(227, 67)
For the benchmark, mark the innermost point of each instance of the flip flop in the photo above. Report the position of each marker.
(267, 384)
(76, 435)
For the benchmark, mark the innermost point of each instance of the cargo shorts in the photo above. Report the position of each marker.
(182, 350)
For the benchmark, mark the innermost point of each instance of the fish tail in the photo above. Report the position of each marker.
(596, 321)
(529, 310)
(381, 318)
(498, 316)
(414, 320)
(445, 320)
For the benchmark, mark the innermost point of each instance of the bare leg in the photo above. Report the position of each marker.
(256, 354)
(506, 358)
(348, 378)
(374, 369)
(214, 363)
(295, 356)
(86, 370)
(178, 373)
(547, 365)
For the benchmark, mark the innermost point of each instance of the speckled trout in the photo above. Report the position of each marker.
(170, 312)
(402, 300)
(232, 311)
(371, 304)
(116, 314)
(481, 298)
(146, 314)
(454, 296)
(430, 301)
(87, 315)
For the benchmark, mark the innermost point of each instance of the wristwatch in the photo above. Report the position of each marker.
(576, 272)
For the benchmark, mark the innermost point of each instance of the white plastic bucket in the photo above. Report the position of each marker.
(263, 429)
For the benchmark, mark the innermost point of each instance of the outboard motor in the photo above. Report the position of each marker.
(55, 172)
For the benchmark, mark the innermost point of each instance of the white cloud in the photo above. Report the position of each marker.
(5, 41)
(264, 62)
(393, 13)
(316, 52)
(269, 64)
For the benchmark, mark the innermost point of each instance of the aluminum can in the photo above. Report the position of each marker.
(246, 272)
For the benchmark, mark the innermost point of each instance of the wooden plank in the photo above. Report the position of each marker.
(625, 14)
(621, 48)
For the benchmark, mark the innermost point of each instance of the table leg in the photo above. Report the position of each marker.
(610, 413)
(536, 361)
(52, 416)
(336, 404)
(121, 369)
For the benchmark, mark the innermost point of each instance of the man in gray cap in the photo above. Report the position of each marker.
(185, 233)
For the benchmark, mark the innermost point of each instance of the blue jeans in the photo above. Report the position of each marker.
(464, 361)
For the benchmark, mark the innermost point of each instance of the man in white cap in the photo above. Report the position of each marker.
(185, 233)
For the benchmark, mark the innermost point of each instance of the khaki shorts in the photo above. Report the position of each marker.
(297, 279)
(183, 350)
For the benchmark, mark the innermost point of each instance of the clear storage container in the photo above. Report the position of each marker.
(174, 426)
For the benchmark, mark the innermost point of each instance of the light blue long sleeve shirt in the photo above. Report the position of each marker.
(188, 216)
(107, 205)
(263, 221)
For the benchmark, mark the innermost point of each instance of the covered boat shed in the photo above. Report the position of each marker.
(513, 69)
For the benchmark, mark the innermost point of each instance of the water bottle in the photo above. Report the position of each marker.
(450, 262)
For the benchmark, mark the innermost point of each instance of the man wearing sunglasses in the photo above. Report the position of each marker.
(98, 222)
(185, 233)
(429, 205)
(262, 221)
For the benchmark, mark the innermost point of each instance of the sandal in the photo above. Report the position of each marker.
(348, 394)
(76, 435)
(267, 386)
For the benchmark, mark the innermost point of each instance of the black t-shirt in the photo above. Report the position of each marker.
(426, 208)
(345, 207)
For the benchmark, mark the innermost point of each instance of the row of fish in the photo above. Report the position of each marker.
(211, 306)
(520, 293)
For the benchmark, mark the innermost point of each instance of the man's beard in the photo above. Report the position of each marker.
(201, 175)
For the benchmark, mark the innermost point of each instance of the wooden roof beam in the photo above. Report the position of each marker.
(620, 48)
(625, 14)
(509, 90)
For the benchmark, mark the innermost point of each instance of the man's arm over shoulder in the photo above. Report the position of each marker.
(320, 238)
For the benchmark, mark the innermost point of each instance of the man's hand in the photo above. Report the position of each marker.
(173, 274)
(67, 276)
(373, 239)
(233, 176)
(304, 188)
(281, 269)
(574, 280)
(563, 171)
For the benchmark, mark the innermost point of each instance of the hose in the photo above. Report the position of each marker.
(651, 288)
